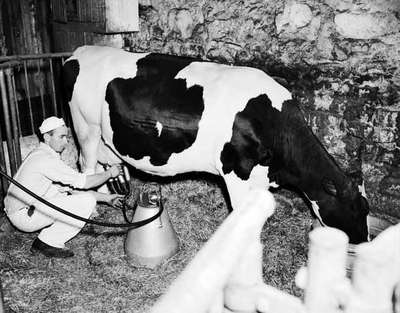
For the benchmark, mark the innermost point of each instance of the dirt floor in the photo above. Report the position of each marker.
(100, 277)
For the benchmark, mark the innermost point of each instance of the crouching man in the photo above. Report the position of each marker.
(44, 173)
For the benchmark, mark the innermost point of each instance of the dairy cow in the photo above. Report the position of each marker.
(167, 115)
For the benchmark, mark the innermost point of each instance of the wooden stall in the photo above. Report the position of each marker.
(76, 22)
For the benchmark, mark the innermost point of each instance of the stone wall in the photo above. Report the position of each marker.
(340, 57)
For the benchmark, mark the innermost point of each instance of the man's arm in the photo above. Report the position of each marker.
(58, 171)
(112, 199)
(98, 179)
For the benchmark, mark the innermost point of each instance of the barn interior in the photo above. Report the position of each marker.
(340, 58)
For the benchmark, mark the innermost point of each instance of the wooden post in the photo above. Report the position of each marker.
(239, 291)
(376, 273)
(2, 306)
(326, 269)
(199, 288)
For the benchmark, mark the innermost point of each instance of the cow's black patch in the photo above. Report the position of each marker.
(268, 137)
(252, 138)
(137, 104)
(156, 65)
(70, 72)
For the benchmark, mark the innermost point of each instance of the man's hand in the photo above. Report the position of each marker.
(65, 189)
(116, 170)
(115, 200)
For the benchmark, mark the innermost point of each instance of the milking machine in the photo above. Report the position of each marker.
(120, 184)
(154, 242)
(150, 237)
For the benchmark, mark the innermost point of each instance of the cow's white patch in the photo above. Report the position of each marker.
(273, 184)
(239, 188)
(234, 86)
(159, 128)
(315, 209)
(259, 177)
(361, 189)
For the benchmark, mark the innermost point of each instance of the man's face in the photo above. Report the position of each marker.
(57, 139)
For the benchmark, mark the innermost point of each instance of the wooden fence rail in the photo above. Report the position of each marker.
(225, 275)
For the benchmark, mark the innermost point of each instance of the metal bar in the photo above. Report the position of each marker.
(9, 61)
(28, 93)
(53, 88)
(63, 104)
(3, 181)
(34, 56)
(11, 156)
(14, 122)
(16, 104)
(41, 90)
(59, 94)
(6, 65)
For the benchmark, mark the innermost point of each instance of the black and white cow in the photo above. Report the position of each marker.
(167, 115)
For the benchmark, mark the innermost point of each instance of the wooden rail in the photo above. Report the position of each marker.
(225, 275)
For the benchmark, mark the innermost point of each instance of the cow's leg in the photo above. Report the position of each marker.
(248, 272)
(237, 188)
(89, 143)
(88, 135)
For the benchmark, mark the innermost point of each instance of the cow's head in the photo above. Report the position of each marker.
(301, 160)
(342, 206)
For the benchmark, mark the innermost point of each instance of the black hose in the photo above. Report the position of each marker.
(131, 225)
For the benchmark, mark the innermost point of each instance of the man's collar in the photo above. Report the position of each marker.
(46, 147)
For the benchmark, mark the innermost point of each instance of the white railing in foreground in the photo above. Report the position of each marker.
(226, 274)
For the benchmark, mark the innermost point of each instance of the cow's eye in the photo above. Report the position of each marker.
(330, 187)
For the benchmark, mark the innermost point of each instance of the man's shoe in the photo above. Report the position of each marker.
(49, 251)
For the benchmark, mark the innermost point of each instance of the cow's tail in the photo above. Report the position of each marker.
(69, 74)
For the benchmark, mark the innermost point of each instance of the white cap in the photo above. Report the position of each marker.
(51, 123)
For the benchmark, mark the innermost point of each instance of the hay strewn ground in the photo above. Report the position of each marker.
(99, 278)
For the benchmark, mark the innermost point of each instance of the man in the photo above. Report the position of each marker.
(44, 173)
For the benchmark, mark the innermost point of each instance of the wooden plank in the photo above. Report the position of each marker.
(101, 16)
(78, 27)
(59, 11)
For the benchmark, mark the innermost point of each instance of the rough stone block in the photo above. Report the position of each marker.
(366, 26)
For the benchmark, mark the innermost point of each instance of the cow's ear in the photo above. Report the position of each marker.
(291, 113)
(330, 187)
(228, 158)
(291, 109)
(356, 177)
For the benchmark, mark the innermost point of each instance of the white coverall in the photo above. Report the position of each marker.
(44, 173)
